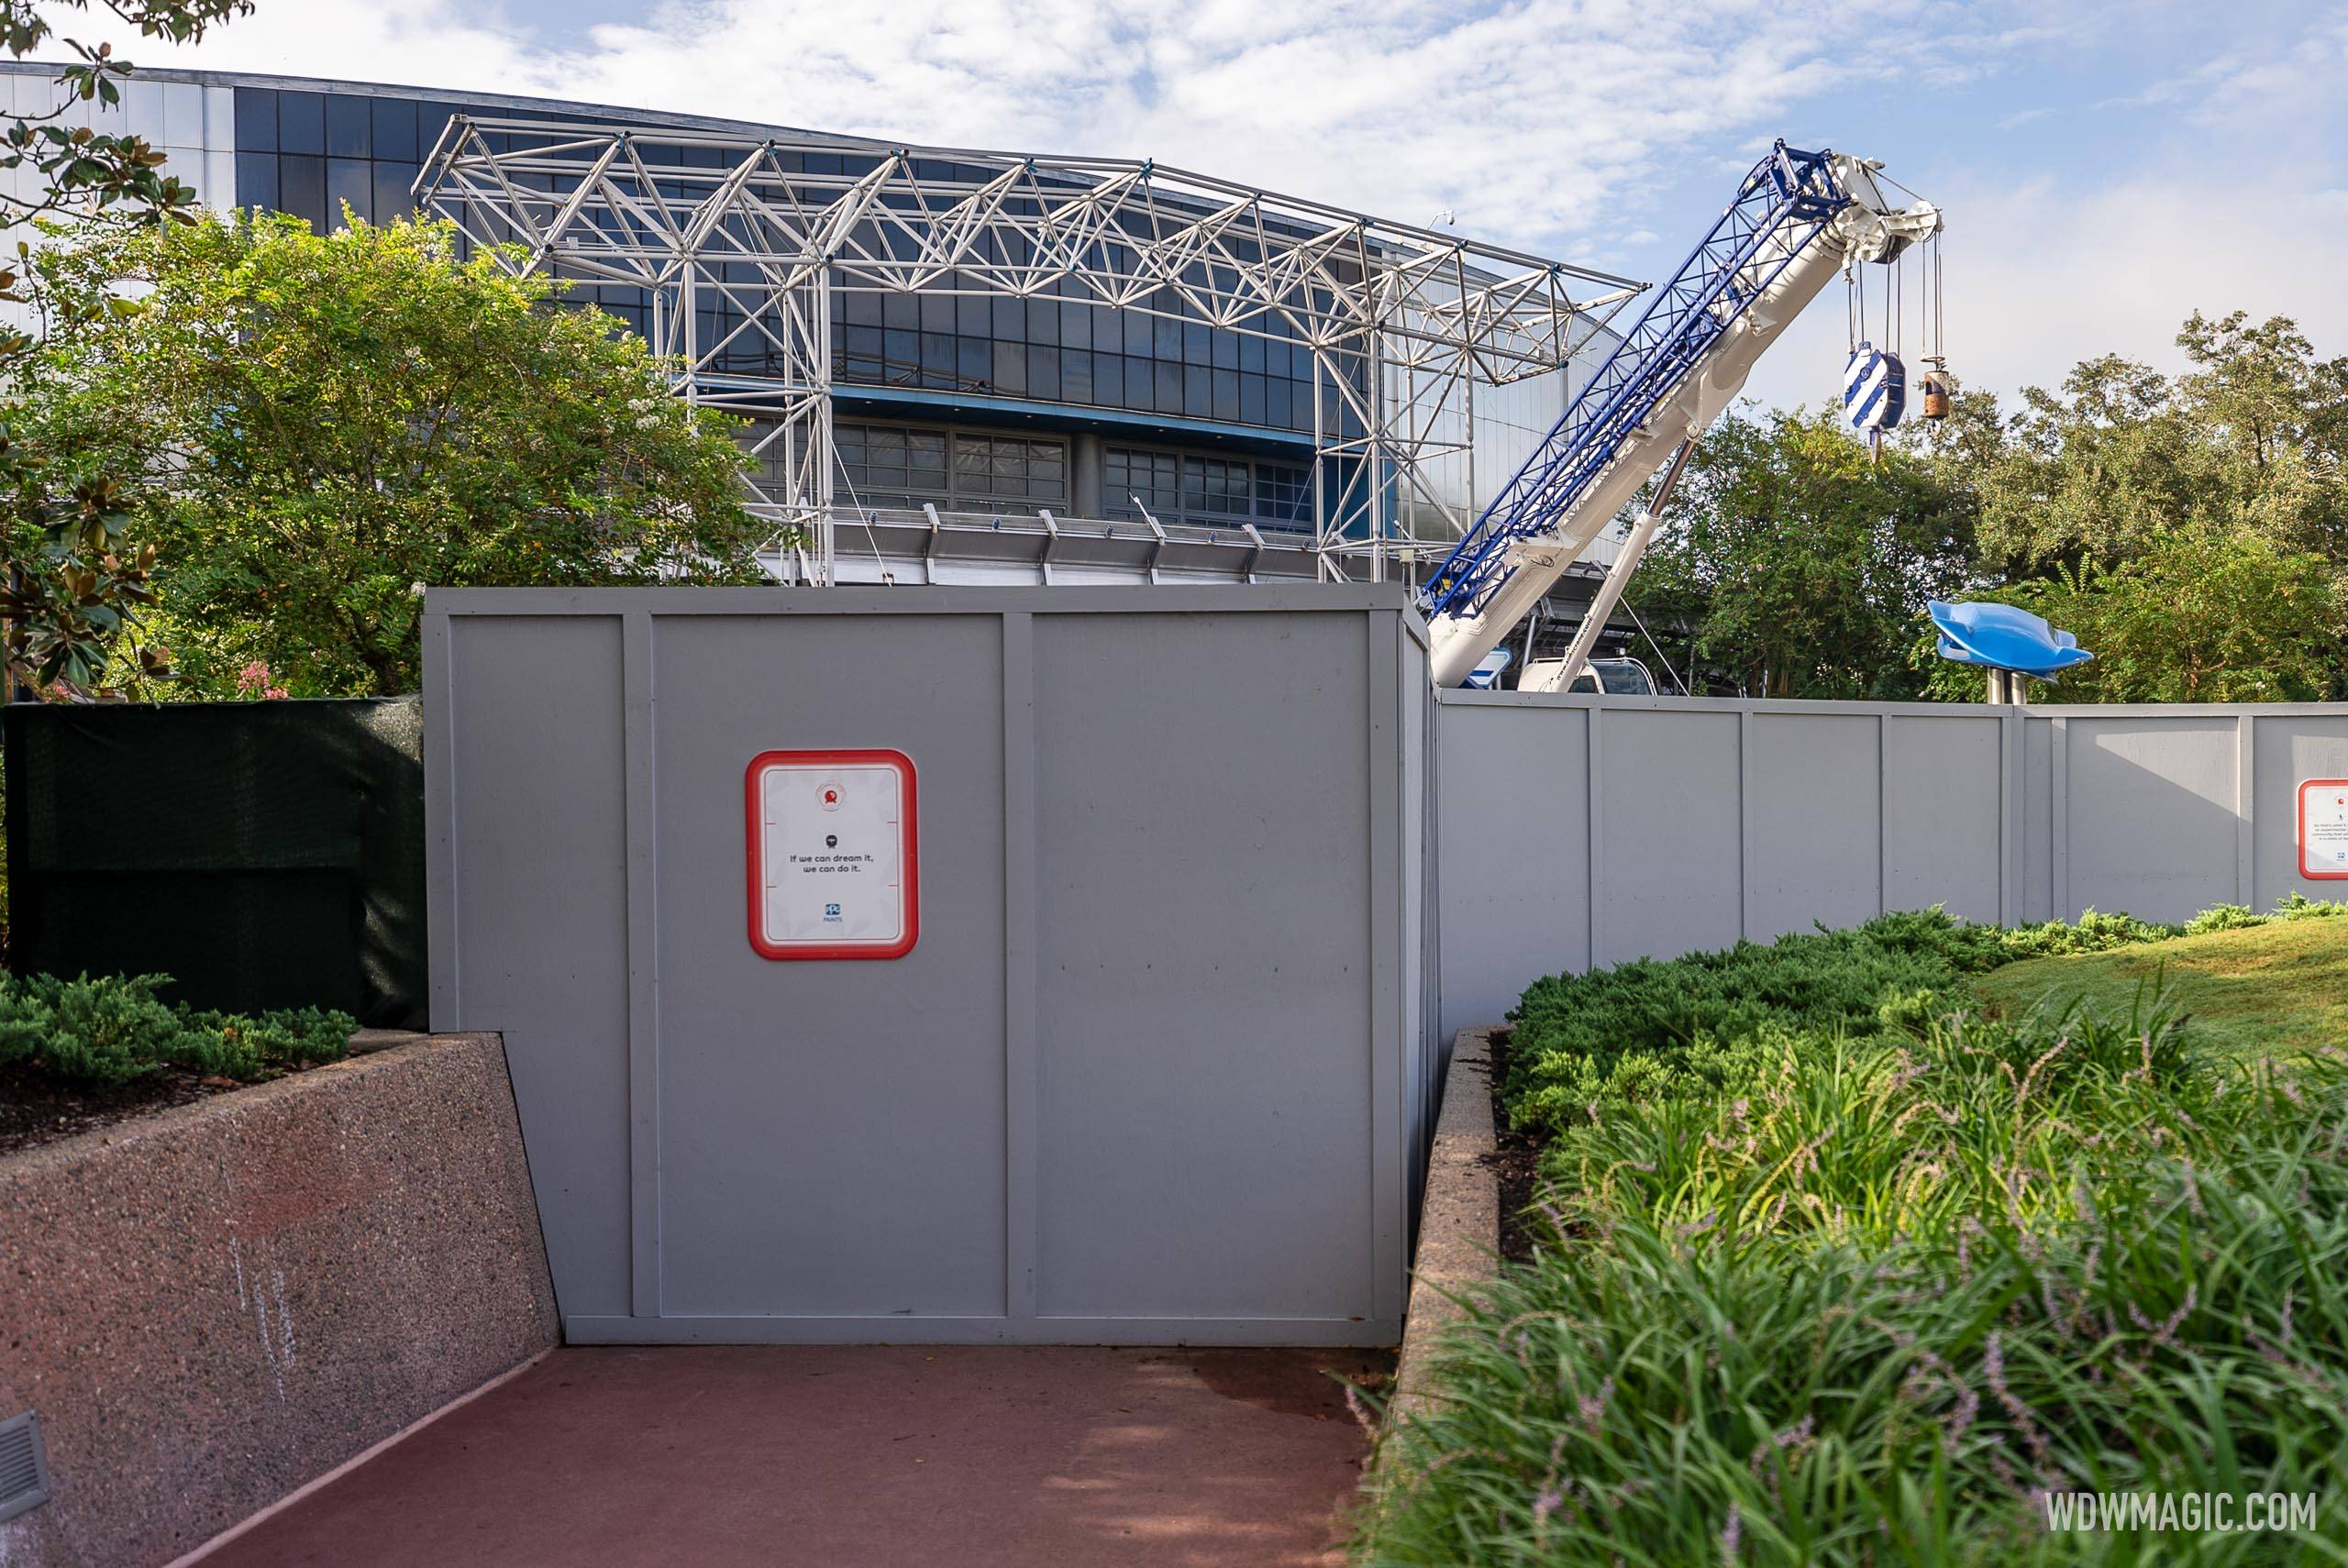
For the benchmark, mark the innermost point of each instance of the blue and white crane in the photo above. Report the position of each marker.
(1799, 219)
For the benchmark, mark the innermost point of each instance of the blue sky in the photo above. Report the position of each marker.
(2105, 168)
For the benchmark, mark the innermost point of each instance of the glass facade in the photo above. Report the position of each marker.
(956, 470)
(1182, 487)
(1063, 349)
(311, 153)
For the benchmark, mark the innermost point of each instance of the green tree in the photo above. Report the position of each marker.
(1798, 566)
(2104, 468)
(2270, 422)
(321, 425)
(2088, 473)
(72, 585)
(2191, 530)
(2200, 614)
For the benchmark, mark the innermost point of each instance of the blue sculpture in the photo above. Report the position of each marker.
(1486, 676)
(2002, 637)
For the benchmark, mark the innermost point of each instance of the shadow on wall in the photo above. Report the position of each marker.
(2162, 816)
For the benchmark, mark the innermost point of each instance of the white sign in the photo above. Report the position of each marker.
(2324, 827)
(833, 867)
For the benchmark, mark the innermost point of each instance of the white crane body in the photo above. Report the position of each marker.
(1799, 220)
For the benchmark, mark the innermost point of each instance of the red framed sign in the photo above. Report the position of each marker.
(834, 854)
(2323, 828)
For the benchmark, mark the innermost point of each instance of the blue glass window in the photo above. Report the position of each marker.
(349, 128)
(396, 129)
(392, 183)
(257, 180)
(302, 189)
(301, 123)
(257, 121)
(350, 180)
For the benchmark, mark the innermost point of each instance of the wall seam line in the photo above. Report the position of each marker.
(1596, 874)
(2245, 808)
(1744, 823)
(641, 816)
(1020, 1047)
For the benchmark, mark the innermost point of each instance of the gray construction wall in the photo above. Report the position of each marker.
(1581, 831)
(1159, 1068)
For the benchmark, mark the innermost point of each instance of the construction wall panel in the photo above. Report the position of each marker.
(1157, 1069)
(1669, 841)
(543, 836)
(1249, 1008)
(1947, 788)
(2280, 756)
(1814, 798)
(1716, 820)
(1512, 836)
(805, 1078)
(2150, 814)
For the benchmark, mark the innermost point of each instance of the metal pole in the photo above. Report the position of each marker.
(1601, 605)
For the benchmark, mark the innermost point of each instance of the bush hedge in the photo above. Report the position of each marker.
(1688, 1027)
(112, 1029)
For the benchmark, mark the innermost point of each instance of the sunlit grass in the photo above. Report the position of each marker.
(2278, 989)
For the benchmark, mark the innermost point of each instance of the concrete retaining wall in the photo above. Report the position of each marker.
(212, 1306)
(1460, 1224)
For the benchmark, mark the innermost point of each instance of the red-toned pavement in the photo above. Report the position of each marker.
(858, 1457)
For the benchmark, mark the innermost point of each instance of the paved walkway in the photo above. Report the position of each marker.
(887, 1456)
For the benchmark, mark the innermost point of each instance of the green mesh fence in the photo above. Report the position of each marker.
(263, 854)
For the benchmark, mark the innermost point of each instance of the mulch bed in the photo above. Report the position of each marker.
(36, 1108)
(1517, 1161)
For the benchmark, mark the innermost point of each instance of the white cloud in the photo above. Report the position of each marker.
(1574, 128)
(1542, 121)
(2043, 277)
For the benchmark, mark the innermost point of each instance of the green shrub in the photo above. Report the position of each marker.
(87, 1031)
(1831, 1272)
(1664, 1399)
(113, 1029)
(1689, 1027)
(2298, 906)
(235, 1045)
(2223, 917)
(1694, 1027)
(1867, 1308)
(2096, 932)
(2235, 917)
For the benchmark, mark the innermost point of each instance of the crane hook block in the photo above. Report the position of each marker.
(1935, 389)
(1875, 389)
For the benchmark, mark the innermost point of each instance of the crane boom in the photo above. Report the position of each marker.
(1798, 218)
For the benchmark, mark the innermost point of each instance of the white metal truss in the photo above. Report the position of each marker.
(1400, 321)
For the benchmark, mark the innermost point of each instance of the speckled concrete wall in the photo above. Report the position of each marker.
(214, 1304)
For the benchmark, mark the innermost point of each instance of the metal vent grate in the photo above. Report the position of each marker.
(24, 1466)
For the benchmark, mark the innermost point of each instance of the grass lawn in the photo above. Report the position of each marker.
(2273, 989)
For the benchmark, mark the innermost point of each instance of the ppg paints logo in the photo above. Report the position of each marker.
(831, 912)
